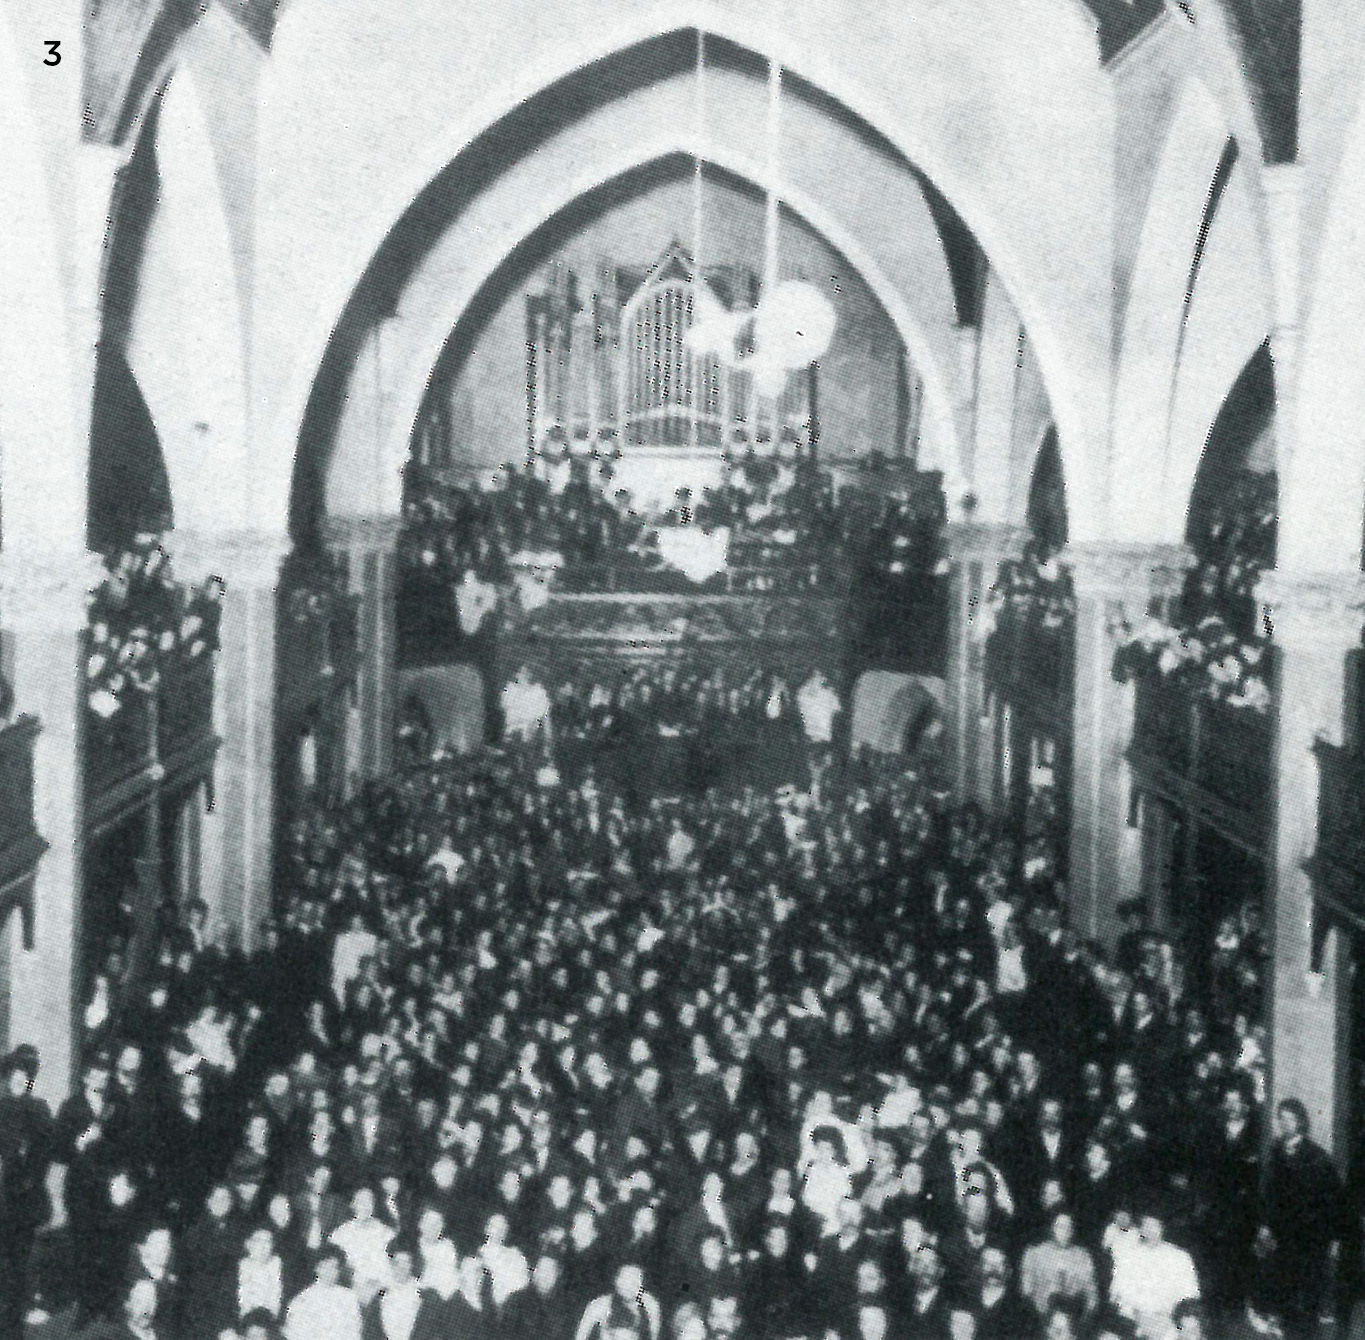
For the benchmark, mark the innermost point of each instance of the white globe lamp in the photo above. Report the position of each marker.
(796, 324)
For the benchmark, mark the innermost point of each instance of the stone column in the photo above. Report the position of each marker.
(968, 391)
(369, 546)
(1114, 584)
(976, 552)
(1284, 193)
(1317, 620)
(43, 611)
(237, 844)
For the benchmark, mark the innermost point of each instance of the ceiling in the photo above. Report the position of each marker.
(1122, 20)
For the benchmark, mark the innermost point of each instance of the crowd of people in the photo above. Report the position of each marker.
(526, 1058)
(649, 727)
(786, 519)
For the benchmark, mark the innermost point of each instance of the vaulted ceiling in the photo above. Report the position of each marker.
(1122, 20)
(130, 42)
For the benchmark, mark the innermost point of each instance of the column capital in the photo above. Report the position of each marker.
(1112, 571)
(1314, 610)
(376, 533)
(244, 558)
(984, 542)
(48, 591)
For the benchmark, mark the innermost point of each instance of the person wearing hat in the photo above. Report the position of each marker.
(26, 1150)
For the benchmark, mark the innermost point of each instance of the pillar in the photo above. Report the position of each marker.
(43, 602)
(237, 841)
(968, 388)
(369, 546)
(1317, 620)
(976, 552)
(1115, 584)
(1284, 189)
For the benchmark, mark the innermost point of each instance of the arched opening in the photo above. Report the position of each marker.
(129, 489)
(526, 393)
(1233, 512)
(1046, 515)
(1030, 676)
(1203, 734)
(492, 155)
(149, 741)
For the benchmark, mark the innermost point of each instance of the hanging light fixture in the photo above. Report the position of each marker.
(713, 329)
(795, 323)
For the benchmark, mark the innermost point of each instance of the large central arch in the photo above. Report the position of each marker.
(421, 336)
(1069, 329)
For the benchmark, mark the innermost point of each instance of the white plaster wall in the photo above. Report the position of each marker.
(45, 383)
(1145, 477)
(1149, 79)
(356, 115)
(1332, 61)
(185, 346)
(1322, 493)
(1229, 320)
(996, 381)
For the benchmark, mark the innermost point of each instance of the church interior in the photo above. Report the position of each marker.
(682, 670)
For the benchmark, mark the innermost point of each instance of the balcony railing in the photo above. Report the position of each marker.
(1030, 663)
(1341, 810)
(756, 578)
(120, 749)
(1162, 726)
(17, 830)
(185, 712)
(1206, 755)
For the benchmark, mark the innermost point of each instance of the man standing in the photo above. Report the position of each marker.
(1302, 1208)
(25, 1152)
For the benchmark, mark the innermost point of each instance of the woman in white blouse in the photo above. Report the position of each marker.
(365, 1241)
(260, 1276)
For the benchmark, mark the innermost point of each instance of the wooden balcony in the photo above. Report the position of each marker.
(1338, 863)
(118, 749)
(185, 715)
(125, 765)
(1214, 761)
(1030, 664)
(20, 844)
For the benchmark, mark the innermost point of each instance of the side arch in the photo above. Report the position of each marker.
(1181, 196)
(185, 335)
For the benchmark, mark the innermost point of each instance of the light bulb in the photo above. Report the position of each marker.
(796, 323)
